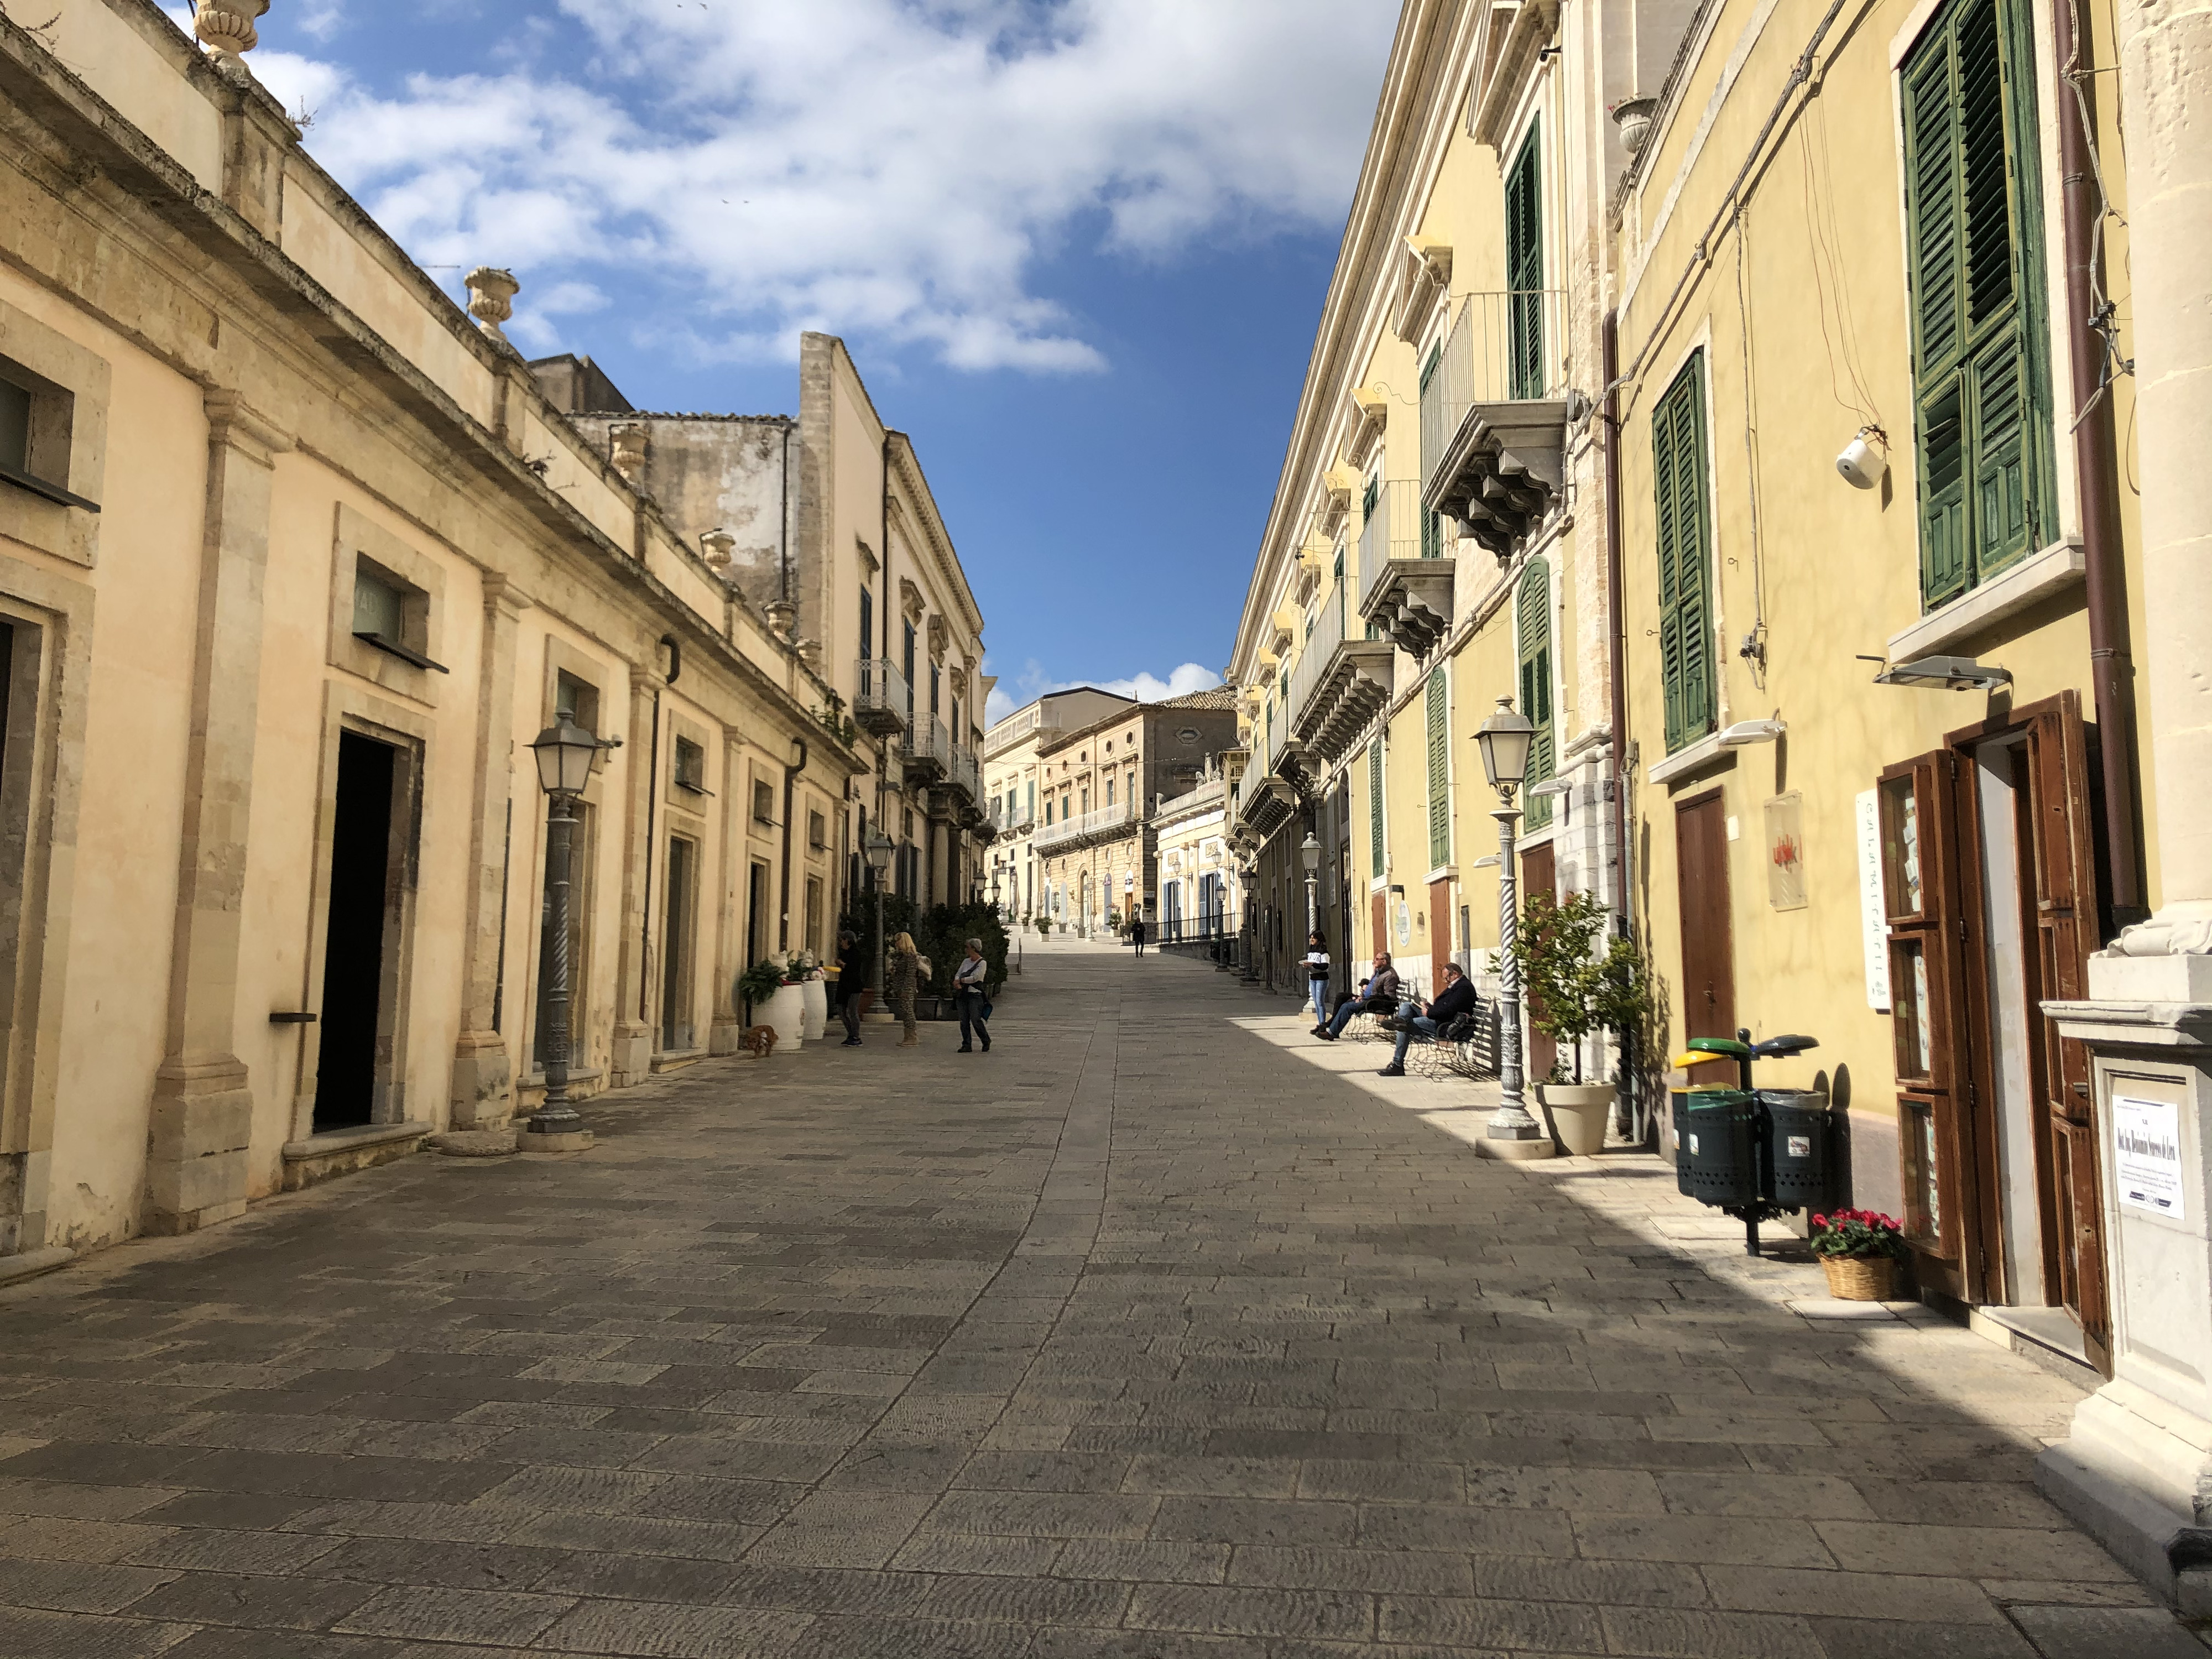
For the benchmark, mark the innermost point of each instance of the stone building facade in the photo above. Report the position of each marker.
(1011, 787)
(825, 522)
(1095, 843)
(296, 560)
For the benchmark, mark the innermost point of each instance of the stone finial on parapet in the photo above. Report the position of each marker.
(226, 28)
(716, 546)
(628, 451)
(782, 617)
(491, 297)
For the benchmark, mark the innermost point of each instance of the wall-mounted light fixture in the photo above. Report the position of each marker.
(1953, 673)
(1744, 734)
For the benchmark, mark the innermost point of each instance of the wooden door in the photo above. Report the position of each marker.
(1927, 928)
(1537, 876)
(2061, 867)
(1708, 944)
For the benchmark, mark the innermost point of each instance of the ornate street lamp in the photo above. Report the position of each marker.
(565, 753)
(1504, 739)
(1310, 855)
(878, 849)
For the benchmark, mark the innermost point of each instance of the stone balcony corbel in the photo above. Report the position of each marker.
(1373, 404)
(1427, 279)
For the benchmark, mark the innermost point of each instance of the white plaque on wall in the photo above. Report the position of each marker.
(1874, 914)
(2146, 1154)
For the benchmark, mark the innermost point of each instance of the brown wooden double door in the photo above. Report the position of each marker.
(1990, 882)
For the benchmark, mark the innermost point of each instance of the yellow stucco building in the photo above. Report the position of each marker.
(1849, 746)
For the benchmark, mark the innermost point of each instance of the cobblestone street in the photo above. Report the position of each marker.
(1144, 1335)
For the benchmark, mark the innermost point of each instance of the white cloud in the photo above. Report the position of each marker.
(1032, 683)
(881, 168)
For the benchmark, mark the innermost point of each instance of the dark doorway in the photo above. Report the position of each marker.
(676, 1022)
(353, 951)
(756, 916)
(1708, 945)
(1539, 875)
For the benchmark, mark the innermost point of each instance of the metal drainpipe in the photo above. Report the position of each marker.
(790, 785)
(1617, 651)
(2112, 673)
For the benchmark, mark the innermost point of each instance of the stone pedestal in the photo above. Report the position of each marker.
(2136, 1472)
(198, 1129)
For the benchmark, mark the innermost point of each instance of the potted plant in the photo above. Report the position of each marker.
(772, 1000)
(814, 994)
(1574, 988)
(1859, 1250)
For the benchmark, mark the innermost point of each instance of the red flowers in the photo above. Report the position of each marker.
(1857, 1233)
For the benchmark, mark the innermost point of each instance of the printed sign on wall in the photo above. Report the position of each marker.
(1785, 851)
(1873, 915)
(2146, 1154)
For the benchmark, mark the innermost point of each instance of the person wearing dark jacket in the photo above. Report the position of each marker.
(853, 984)
(1456, 998)
(1378, 995)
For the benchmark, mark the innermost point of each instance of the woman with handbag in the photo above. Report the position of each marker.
(906, 976)
(968, 987)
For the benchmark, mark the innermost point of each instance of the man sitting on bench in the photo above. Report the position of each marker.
(1378, 995)
(1414, 1021)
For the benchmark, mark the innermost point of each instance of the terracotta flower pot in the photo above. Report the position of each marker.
(1860, 1278)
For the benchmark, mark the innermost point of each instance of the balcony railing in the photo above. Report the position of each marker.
(1493, 417)
(1503, 347)
(879, 697)
(929, 755)
(965, 776)
(1405, 580)
(1085, 826)
(1016, 727)
(1341, 682)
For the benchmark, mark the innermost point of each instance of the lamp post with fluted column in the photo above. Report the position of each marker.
(1504, 739)
(879, 850)
(1310, 855)
(564, 752)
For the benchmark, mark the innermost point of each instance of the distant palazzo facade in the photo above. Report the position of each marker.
(1010, 782)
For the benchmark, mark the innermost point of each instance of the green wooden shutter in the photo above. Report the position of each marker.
(1432, 527)
(1374, 811)
(1533, 650)
(1686, 646)
(1981, 376)
(1439, 773)
(1524, 270)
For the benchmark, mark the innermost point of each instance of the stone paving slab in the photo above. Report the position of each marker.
(1162, 1332)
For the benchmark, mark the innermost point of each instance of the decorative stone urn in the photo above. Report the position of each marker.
(225, 27)
(1579, 1113)
(787, 1011)
(716, 546)
(491, 294)
(627, 451)
(1633, 116)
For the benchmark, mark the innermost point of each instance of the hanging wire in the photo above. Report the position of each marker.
(2103, 314)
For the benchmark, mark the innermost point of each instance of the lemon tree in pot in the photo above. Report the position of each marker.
(1579, 982)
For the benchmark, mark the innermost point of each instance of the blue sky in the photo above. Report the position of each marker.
(1079, 248)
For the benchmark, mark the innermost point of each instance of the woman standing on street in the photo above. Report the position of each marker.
(905, 975)
(968, 985)
(1317, 981)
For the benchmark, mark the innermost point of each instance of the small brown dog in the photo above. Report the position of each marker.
(758, 1041)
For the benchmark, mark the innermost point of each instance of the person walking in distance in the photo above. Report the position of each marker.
(856, 995)
(1378, 995)
(1317, 981)
(1456, 998)
(968, 987)
(906, 983)
(1137, 932)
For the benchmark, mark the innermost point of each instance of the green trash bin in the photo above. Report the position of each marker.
(1715, 1146)
(1804, 1152)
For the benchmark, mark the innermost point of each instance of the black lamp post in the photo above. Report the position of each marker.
(565, 753)
(1504, 739)
(880, 849)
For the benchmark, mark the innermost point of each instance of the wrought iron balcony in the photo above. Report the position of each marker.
(1266, 800)
(1494, 417)
(879, 697)
(1339, 684)
(1405, 580)
(1085, 828)
(929, 755)
(962, 774)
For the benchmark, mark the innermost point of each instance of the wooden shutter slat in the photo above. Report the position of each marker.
(1439, 773)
